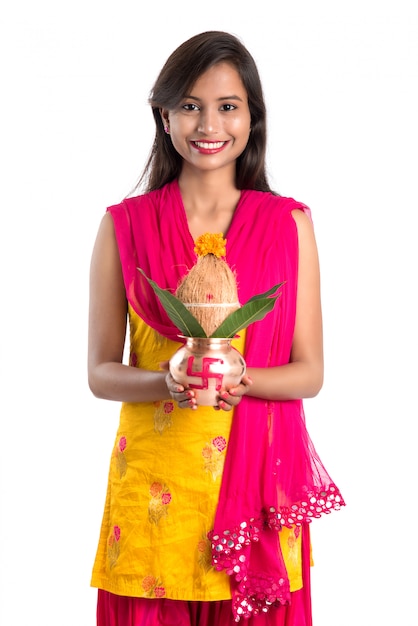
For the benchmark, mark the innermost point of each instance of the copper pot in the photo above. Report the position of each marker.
(207, 365)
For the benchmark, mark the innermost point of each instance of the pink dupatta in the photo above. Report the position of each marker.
(272, 476)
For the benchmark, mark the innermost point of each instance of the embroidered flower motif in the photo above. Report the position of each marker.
(148, 583)
(152, 587)
(293, 546)
(204, 557)
(219, 443)
(158, 505)
(211, 243)
(214, 455)
(159, 592)
(155, 489)
(113, 547)
(120, 456)
(162, 416)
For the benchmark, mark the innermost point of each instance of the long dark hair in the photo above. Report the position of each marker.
(180, 72)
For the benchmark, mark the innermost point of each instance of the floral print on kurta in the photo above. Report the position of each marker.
(120, 456)
(204, 552)
(293, 553)
(159, 501)
(113, 550)
(214, 456)
(162, 415)
(152, 587)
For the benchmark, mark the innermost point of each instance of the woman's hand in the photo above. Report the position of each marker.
(229, 398)
(186, 397)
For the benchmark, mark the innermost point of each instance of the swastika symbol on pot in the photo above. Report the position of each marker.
(205, 374)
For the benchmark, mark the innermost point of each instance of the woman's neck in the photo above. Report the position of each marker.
(209, 203)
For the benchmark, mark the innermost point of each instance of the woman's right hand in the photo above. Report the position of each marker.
(185, 397)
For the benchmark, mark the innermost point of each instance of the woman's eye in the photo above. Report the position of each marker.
(190, 107)
(228, 107)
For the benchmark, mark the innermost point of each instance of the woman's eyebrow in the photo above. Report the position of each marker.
(192, 97)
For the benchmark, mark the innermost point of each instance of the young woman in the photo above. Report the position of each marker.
(207, 514)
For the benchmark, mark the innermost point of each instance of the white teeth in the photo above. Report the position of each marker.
(208, 146)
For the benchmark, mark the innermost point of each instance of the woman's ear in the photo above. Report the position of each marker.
(165, 120)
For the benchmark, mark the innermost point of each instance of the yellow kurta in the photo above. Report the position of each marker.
(163, 487)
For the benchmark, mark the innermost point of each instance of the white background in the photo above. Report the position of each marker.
(340, 81)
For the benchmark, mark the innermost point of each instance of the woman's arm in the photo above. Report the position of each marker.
(108, 378)
(303, 376)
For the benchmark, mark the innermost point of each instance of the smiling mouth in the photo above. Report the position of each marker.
(209, 145)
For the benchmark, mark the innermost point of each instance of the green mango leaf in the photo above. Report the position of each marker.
(266, 294)
(176, 311)
(252, 311)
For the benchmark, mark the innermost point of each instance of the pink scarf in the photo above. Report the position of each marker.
(272, 476)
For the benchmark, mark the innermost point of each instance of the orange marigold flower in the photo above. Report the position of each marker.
(210, 243)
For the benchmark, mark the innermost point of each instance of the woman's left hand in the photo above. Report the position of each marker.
(229, 398)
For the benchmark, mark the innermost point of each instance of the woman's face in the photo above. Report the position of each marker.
(211, 125)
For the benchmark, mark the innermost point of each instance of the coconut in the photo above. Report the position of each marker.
(209, 289)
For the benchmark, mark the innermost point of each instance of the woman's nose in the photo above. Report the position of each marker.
(208, 122)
